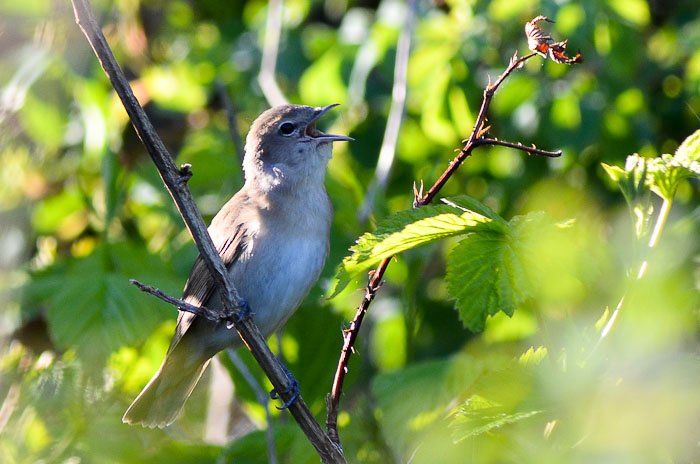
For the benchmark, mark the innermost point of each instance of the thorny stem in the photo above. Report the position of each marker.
(375, 281)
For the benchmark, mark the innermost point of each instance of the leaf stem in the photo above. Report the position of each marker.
(661, 220)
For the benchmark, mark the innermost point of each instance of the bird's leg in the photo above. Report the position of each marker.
(292, 388)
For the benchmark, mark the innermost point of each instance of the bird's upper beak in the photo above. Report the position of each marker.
(314, 133)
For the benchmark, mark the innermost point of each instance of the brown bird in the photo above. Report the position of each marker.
(273, 236)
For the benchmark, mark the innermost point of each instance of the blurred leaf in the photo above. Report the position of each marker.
(322, 83)
(635, 11)
(388, 345)
(688, 153)
(533, 356)
(632, 182)
(412, 399)
(406, 230)
(252, 448)
(90, 305)
(479, 415)
(63, 214)
(666, 173)
(179, 87)
(44, 121)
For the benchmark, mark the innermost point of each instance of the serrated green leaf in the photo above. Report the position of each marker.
(409, 229)
(533, 356)
(480, 415)
(467, 203)
(665, 174)
(688, 153)
(486, 272)
(90, 305)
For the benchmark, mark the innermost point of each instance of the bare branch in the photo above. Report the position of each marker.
(271, 45)
(182, 305)
(387, 152)
(173, 180)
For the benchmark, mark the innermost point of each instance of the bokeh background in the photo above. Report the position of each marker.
(82, 210)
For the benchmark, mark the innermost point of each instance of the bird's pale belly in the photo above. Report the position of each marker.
(300, 260)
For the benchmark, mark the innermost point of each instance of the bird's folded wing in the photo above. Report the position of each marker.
(230, 238)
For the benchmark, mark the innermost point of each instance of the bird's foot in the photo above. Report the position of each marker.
(292, 389)
(243, 312)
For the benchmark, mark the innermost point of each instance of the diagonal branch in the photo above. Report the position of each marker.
(176, 182)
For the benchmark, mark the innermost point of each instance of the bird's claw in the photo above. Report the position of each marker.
(292, 389)
(243, 312)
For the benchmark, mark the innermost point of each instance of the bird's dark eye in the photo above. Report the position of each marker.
(286, 128)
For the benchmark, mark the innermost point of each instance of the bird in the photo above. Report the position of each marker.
(272, 235)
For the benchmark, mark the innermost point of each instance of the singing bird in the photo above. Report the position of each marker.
(273, 237)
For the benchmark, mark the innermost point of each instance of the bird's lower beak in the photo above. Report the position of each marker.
(314, 133)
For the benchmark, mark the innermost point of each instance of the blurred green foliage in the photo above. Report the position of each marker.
(82, 210)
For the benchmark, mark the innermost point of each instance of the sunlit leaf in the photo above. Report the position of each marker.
(688, 153)
(667, 172)
(406, 230)
(179, 87)
(635, 11)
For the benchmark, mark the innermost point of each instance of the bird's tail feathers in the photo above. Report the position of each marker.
(162, 399)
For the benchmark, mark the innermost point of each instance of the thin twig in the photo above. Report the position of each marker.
(175, 182)
(182, 305)
(262, 397)
(271, 44)
(475, 139)
(477, 132)
(387, 152)
(532, 150)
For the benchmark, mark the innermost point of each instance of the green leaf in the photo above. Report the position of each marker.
(688, 154)
(409, 229)
(630, 180)
(414, 400)
(486, 272)
(90, 305)
(467, 203)
(480, 415)
(323, 82)
(665, 174)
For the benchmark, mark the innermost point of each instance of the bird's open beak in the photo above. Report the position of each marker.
(314, 133)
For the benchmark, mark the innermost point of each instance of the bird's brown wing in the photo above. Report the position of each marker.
(230, 236)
